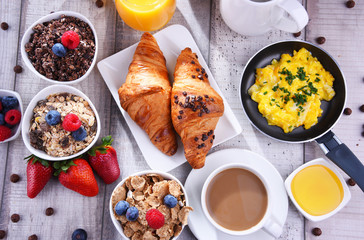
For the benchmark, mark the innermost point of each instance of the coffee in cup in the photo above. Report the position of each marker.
(235, 199)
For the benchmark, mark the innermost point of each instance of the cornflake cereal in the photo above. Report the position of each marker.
(54, 140)
(146, 192)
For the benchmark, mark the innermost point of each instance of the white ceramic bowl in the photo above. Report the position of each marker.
(29, 114)
(46, 18)
(16, 130)
(318, 161)
(166, 176)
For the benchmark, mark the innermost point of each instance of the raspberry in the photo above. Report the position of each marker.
(71, 122)
(70, 39)
(12, 117)
(155, 218)
(5, 133)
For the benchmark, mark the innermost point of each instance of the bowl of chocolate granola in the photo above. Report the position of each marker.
(149, 205)
(60, 123)
(60, 47)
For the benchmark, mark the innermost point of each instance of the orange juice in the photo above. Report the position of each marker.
(317, 190)
(146, 15)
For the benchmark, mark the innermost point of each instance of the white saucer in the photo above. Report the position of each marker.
(197, 221)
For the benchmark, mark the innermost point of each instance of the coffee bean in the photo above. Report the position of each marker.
(18, 69)
(49, 211)
(297, 34)
(2, 234)
(4, 26)
(15, 218)
(361, 108)
(99, 3)
(14, 178)
(316, 231)
(351, 182)
(350, 4)
(321, 40)
(33, 237)
(347, 111)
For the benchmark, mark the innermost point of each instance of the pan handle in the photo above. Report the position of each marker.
(343, 157)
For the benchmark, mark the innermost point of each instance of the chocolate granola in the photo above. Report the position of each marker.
(76, 62)
(54, 140)
(147, 192)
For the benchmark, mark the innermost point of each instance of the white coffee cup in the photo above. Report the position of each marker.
(256, 17)
(268, 223)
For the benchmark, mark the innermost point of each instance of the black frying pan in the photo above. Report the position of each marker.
(339, 153)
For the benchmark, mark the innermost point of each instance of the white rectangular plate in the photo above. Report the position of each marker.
(171, 40)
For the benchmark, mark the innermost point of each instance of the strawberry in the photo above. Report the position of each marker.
(104, 161)
(39, 172)
(77, 175)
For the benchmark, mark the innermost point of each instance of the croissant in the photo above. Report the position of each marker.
(146, 94)
(196, 108)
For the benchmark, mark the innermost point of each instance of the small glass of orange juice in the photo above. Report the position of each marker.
(146, 15)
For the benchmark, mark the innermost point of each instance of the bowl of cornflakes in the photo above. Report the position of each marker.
(149, 205)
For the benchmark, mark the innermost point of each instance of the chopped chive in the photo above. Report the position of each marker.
(265, 93)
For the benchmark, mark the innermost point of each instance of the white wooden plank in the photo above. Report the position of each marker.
(72, 210)
(130, 158)
(342, 28)
(229, 52)
(9, 13)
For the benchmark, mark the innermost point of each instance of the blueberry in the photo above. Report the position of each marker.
(9, 102)
(79, 234)
(132, 214)
(80, 134)
(121, 207)
(59, 50)
(2, 120)
(170, 201)
(53, 117)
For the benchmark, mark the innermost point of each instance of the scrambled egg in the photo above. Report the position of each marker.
(289, 91)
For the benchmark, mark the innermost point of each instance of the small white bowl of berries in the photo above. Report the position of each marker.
(60, 123)
(60, 47)
(11, 111)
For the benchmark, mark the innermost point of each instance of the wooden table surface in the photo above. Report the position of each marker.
(226, 53)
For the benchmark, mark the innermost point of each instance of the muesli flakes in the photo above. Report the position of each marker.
(54, 140)
(154, 188)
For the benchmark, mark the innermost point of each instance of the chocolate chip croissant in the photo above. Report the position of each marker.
(146, 94)
(196, 108)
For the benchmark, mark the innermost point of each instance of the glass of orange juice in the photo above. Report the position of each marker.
(146, 15)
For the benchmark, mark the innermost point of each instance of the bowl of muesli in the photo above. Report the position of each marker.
(60, 47)
(149, 205)
(60, 123)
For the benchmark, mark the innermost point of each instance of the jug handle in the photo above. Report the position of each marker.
(296, 19)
